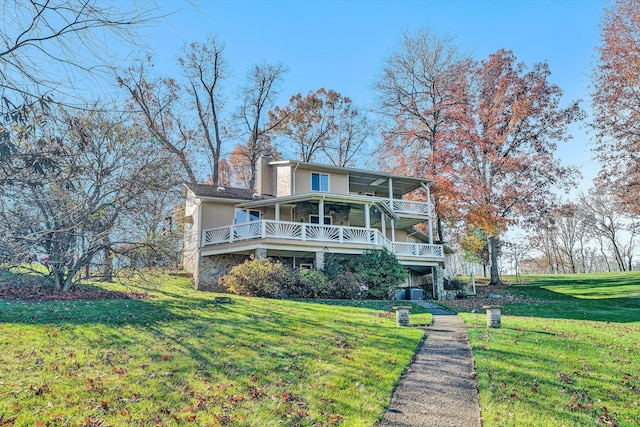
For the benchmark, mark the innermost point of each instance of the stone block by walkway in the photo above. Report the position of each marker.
(439, 388)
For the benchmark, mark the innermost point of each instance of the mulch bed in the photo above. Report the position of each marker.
(475, 303)
(34, 290)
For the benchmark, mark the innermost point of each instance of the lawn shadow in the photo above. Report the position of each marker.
(106, 311)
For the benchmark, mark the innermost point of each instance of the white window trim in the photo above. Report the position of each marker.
(318, 216)
(248, 215)
(320, 182)
(307, 266)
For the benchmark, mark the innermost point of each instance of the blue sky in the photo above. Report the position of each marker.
(340, 45)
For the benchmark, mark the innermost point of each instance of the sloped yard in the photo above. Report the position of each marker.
(567, 353)
(176, 357)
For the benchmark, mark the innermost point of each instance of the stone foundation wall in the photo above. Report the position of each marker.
(215, 266)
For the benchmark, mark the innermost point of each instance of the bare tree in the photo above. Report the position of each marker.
(50, 47)
(55, 50)
(353, 129)
(72, 187)
(156, 102)
(205, 68)
(257, 97)
(608, 222)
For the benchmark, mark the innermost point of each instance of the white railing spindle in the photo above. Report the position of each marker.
(315, 232)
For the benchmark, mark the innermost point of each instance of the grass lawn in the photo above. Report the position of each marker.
(181, 358)
(569, 356)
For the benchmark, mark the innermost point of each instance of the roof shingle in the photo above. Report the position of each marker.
(206, 190)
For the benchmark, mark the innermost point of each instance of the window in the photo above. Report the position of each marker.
(250, 231)
(305, 266)
(243, 216)
(315, 219)
(320, 182)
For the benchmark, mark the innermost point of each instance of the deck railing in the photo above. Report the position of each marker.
(315, 233)
(411, 207)
(405, 206)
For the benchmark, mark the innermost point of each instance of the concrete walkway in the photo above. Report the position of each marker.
(439, 388)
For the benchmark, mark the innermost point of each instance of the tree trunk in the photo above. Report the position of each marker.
(107, 272)
(68, 281)
(606, 259)
(493, 261)
(58, 279)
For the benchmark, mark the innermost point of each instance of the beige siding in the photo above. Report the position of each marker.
(217, 215)
(338, 182)
(283, 180)
(265, 176)
(401, 235)
(270, 213)
(191, 203)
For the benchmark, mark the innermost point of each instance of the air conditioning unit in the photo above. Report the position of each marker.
(417, 294)
(400, 294)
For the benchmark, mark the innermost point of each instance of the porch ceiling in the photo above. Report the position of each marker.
(306, 197)
(363, 182)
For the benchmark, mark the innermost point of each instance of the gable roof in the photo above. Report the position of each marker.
(219, 192)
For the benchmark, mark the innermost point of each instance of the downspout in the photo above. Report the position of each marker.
(293, 179)
(391, 195)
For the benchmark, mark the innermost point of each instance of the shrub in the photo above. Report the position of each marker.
(256, 277)
(345, 286)
(334, 265)
(305, 283)
(378, 271)
(453, 284)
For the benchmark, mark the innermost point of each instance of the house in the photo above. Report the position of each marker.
(300, 213)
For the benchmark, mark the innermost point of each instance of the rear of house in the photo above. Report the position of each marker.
(303, 214)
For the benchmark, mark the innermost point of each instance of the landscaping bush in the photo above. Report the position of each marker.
(453, 284)
(256, 277)
(373, 275)
(379, 272)
(345, 286)
(305, 283)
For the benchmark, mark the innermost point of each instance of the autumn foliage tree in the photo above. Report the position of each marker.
(420, 88)
(323, 126)
(473, 243)
(504, 144)
(616, 102)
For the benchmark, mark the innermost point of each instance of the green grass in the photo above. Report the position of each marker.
(419, 316)
(567, 357)
(181, 358)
